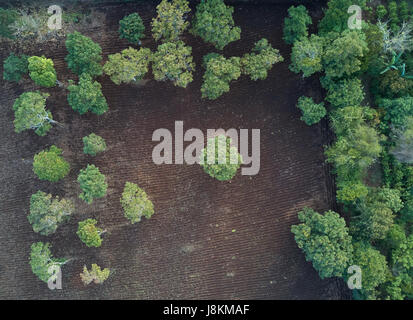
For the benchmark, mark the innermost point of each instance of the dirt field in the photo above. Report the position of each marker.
(187, 250)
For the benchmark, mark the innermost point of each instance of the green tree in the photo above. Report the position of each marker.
(343, 56)
(93, 144)
(220, 71)
(87, 96)
(14, 67)
(262, 58)
(135, 203)
(219, 159)
(46, 213)
(381, 12)
(404, 11)
(397, 110)
(42, 71)
(89, 234)
(312, 112)
(345, 92)
(84, 55)
(96, 274)
(393, 16)
(92, 183)
(344, 121)
(306, 55)
(42, 261)
(129, 66)
(50, 165)
(213, 22)
(30, 113)
(7, 18)
(173, 61)
(325, 241)
(131, 28)
(170, 22)
(296, 24)
(392, 85)
(349, 190)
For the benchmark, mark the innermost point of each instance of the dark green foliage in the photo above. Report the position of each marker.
(393, 16)
(345, 92)
(7, 17)
(404, 11)
(306, 55)
(397, 110)
(42, 261)
(92, 183)
(312, 112)
(392, 85)
(381, 12)
(131, 28)
(93, 144)
(14, 67)
(50, 165)
(296, 24)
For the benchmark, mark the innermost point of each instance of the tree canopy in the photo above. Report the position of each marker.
(42, 72)
(89, 234)
(296, 24)
(306, 55)
(93, 144)
(95, 275)
(135, 203)
(131, 28)
(14, 67)
(50, 165)
(92, 183)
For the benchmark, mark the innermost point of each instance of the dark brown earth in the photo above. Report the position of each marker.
(187, 250)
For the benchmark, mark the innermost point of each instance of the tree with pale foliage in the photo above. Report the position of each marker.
(170, 22)
(257, 63)
(173, 61)
(50, 165)
(95, 275)
(135, 203)
(93, 144)
(403, 148)
(213, 22)
(296, 24)
(220, 71)
(132, 28)
(130, 65)
(92, 183)
(325, 240)
(30, 113)
(306, 55)
(89, 234)
(46, 213)
(42, 72)
(311, 112)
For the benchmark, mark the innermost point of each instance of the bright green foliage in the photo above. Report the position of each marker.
(402, 257)
(46, 214)
(397, 110)
(42, 261)
(381, 12)
(93, 144)
(219, 159)
(336, 16)
(42, 71)
(92, 183)
(213, 22)
(30, 113)
(343, 56)
(403, 148)
(7, 17)
(135, 203)
(14, 67)
(325, 241)
(345, 120)
(129, 66)
(50, 165)
(170, 22)
(220, 71)
(84, 55)
(87, 96)
(350, 190)
(393, 16)
(131, 28)
(262, 58)
(404, 11)
(296, 24)
(373, 266)
(345, 92)
(306, 55)
(89, 234)
(173, 61)
(96, 274)
(312, 112)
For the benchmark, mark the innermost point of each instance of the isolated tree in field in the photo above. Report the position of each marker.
(42, 261)
(170, 22)
(213, 22)
(87, 96)
(42, 72)
(325, 241)
(403, 148)
(46, 213)
(220, 71)
(89, 234)
(312, 112)
(131, 28)
(220, 159)
(262, 58)
(343, 56)
(129, 66)
(92, 183)
(135, 203)
(345, 92)
(296, 24)
(96, 274)
(7, 18)
(14, 67)
(173, 61)
(93, 144)
(306, 55)
(50, 165)
(84, 55)
(30, 113)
